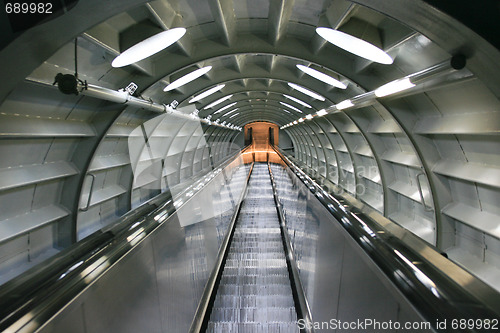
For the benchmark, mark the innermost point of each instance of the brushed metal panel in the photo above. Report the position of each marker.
(185, 257)
(328, 257)
(362, 294)
(125, 299)
(340, 280)
(70, 319)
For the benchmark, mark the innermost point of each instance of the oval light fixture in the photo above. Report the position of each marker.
(306, 91)
(225, 107)
(187, 78)
(148, 47)
(322, 77)
(220, 100)
(290, 107)
(296, 100)
(207, 93)
(355, 45)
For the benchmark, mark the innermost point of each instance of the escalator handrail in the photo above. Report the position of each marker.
(437, 288)
(45, 288)
(300, 299)
(203, 310)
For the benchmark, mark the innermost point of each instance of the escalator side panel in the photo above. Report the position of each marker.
(157, 285)
(340, 281)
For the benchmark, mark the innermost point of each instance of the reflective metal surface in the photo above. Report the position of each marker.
(380, 269)
(139, 269)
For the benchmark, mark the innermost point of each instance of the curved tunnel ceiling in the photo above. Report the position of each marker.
(427, 159)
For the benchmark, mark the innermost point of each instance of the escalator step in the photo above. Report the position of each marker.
(230, 327)
(254, 301)
(254, 293)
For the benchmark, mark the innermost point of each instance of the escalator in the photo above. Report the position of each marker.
(250, 247)
(254, 293)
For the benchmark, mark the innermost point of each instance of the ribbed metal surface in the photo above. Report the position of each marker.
(254, 294)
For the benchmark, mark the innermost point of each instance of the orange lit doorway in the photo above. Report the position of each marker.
(260, 136)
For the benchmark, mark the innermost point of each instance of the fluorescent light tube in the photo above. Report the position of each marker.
(394, 87)
(321, 112)
(344, 104)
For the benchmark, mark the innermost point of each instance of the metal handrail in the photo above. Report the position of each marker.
(438, 293)
(202, 313)
(301, 304)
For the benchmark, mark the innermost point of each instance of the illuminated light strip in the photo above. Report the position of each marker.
(306, 91)
(291, 107)
(225, 107)
(225, 114)
(207, 93)
(355, 45)
(321, 112)
(394, 87)
(220, 100)
(344, 104)
(322, 77)
(148, 47)
(298, 101)
(187, 78)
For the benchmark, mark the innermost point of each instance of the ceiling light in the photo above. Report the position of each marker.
(394, 87)
(286, 111)
(344, 104)
(355, 45)
(301, 120)
(148, 47)
(206, 93)
(309, 116)
(322, 76)
(234, 115)
(187, 78)
(291, 107)
(306, 91)
(321, 112)
(220, 100)
(225, 107)
(298, 101)
(295, 122)
(225, 114)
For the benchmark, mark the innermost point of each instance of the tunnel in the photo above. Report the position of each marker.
(250, 166)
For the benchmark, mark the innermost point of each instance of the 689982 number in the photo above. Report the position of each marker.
(28, 8)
